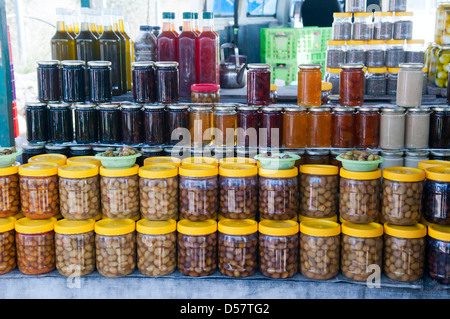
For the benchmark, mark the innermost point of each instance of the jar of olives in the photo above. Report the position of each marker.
(7, 245)
(436, 195)
(438, 253)
(9, 190)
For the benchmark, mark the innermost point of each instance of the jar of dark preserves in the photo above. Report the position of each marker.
(132, 123)
(258, 84)
(73, 81)
(440, 128)
(438, 253)
(100, 82)
(436, 195)
(271, 120)
(167, 82)
(37, 122)
(57, 149)
(177, 118)
(342, 129)
(144, 82)
(76, 151)
(86, 130)
(61, 127)
(30, 150)
(247, 125)
(154, 124)
(49, 81)
(109, 130)
(352, 85)
(367, 127)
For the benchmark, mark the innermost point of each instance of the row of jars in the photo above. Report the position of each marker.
(318, 249)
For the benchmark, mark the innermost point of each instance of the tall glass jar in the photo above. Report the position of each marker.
(342, 26)
(167, 82)
(355, 5)
(318, 125)
(438, 253)
(144, 82)
(436, 195)
(49, 81)
(362, 26)
(352, 85)
(132, 123)
(60, 123)
(109, 129)
(37, 122)
(343, 127)
(409, 85)
(309, 85)
(258, 84)
(177, 117)
(403, 25)
(224, 123)
(356, 52)
(100, 81)
(375, 54)
(383, 26)
(271, 127)
(376, 81)
(441, 33)
(154, 124)
(294, 127)
(86, 123)
(417, 129)
(8, 243)
(440, 128)
(247, 126)
(335, 54)
(73, 81)
(395, 53)
(392, 128)
(200, 124)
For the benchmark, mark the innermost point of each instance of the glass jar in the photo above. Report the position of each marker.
(355, 5)
(197, 247)
(247, 126)
(316, 180)
(294, 127)
(326, 88)
(318, 127)
(439, 128)
(271, 127)
(278, 193)
(109, 121)
(335, 53)
(342, 127)
(438, 253)
(375, 50)
(352, 85)
(30, 150)
(417, 128)
(391, 159)
(79, 191)
(309, 85)
(60, 123)
(144, 82)
(317, 156)
(167, 82)
(361, 250)
(412, 159)
(39, 198)
(383, 26)
(154, 124)
(156, 247)
(376, 81)
(80, 151)
(238, 247)
(404, 252)
(409, 85)
(332, 76)
(319, 248)
(158, 186)
(149, 152)
(75, 247)
(73, 81)
(395, 53)
(258, 84)
(362, 26)
(100, 81)
(441, 33)
(415, 51)
(355, 52)
(224, 124)
(200, 124)
(278, 248)
(9, 191)
(177, 118)
(8, 249)
(432, 64)
(342, 26)
(57, 149)
(205, 93)
(403, 25)
(402, 195)
(86, 123)
(199, 191)
(359, 196)
(37, 122)
(132, 123)
(49, 81)
(392, 128)
(436, 195)
(120, 234)
(443, 155)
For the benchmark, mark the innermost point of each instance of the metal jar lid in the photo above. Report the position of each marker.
(352, 66)
(49, 63)
(417, 110)
(80, 148)
(58, 105)
(131, 106)
(108, 106)
(317, 152)
(344, 109)
(417, 153)
(248, 108)
(225, 108)
(99, 64)
(35, 104)
(154, 106)
(441, 109)
(293, 108)
(440, 153)
(393, 110)
(368, 109)
(177, 106)
(271, 109)
(155, 149)
(28, 146)
(143, 64)
(309, 66)
(339, 151)
(319, 109)
(167, 64)
(392, 154)
(411, 65)
(73, 63)
(54, 147)
(258, 66)
(84, 105)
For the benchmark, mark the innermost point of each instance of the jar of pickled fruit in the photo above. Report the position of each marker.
(309, 85)
(335, 54)
(318, 127)
(441, 33)
(342, 26)
(443, 59)
(9, 190)
(383, 26)
(132, 123)
(37, 122)
(376, 81)
(271, 127)
(439, 128)
(403, 25)
(294, 127)
(342, 127)
(247, 126)
(409, 85)
(205, 93)
(224, 124)
(352, 85)
(258, 84)
(392, 128)
(438, 253)
(436, 195)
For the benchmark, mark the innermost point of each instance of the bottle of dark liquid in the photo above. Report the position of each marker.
(145, 45)
(87, 44)
(167, 41)
(207, 52)
(186, 55)
(195, 24)
(123, 49)
(62, 43)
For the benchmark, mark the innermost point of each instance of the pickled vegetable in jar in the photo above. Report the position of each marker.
(417, 128)
(9, 191)
(342, 26)
(294, 127)
(436, 195)
(100, 82)
(441, 33)
(144, 82)
(409, 85)
(60, 123)
(200, 124)
(177, 119)
(342, 128)
(258, 84)
(271, 127)
(438, 253)
(362, 26)
(392, 128)
(224, 123)
(247, 126)
(376, 81)
(309, 85)
(383, 26)
(86, 123)
(49, 81)
(352, 85)
(8, 250)
(37, 122)
(132, 123)
(403, 25)
(335, 54)
(318, 127)
(205, 93)
(109, 124)
(154, 124)
(167, 82)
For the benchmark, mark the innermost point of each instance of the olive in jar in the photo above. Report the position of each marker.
(7, 245)
(9, 190)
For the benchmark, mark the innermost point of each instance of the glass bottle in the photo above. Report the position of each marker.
(129, 48)
(167, 41)
(123, 50)
(186, 55)
(88, 48)
(258, 84)
(195, 23)
(145, 45)
(207, 52)
(92, 16)
(62, 43)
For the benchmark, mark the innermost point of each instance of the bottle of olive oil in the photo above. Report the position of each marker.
(62, 43)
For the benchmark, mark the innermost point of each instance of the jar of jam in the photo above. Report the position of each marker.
(144, 82)
(86, 123)
(49, 81)
(436, 199)
(318, 127)
(309, 85)
(317, 156)
(342, 129)
(109, 120)
(440, 128)
(73, 81)
(205, 93)
(247, 124)
(224, 123)
(154, 124)
(271, 123)
(258, 84)
(367, 127)
(352, 85)
(200, 124)
(60, 117)
(37, 122)
(294, 127)
(438, 253)
(392, 128)
(132, 123)
(167, 82)
(100, 82)
(177, 117)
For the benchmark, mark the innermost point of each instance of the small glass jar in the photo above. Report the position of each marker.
(391, 159)
(355, 5)
(359, 196)
(412, 159)
(395, 53)
(200, 124)
(86, 123)
(317, 156)
(343, 127)
(238, 247)
(362, 26)
(332, 76)
(438, 253)
(177, 121)
(319, 248)
(100, 81)
(156, 247)
(258, 84)
(391, 81)
(120, 234)
(417, 129)
(278, 248)
(30, 150)
(335, 53)
(375, 54)
(436, 195)
(37, 122)
(409, 85)
(383, 26)
(403, 25)
(352, 85)
(439, 128)
(197, 247)
(271, 127)
(73, 81)
(294, 127)
(39, 197)
(8, 249)
(247, 126)
(224, 124)
(49, 81)
(167, 82)
(316, 180)
(154, 124)
(376, 81)
(342, 26)
(109, 121)
(205, 93)
(404, 252)
(318, 127)
(392, 128)
(119, 189)
(415, 51)
(309, 85)
(9, 191)
(75, 247)
(402, 195)
(356, 52)
(35, 243)
(144, 82)
(60, 123)
(132, 123)
(361, 250)
(79, 191)
(441, 34)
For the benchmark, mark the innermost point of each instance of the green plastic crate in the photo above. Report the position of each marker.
(285, 70)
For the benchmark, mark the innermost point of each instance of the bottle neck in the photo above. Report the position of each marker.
(187, 25)
(84, 26)
(121, 25)
(208, 25)
(60, 26)
(166, 25)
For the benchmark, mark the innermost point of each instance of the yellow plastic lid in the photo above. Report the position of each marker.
(375, 42)
(377, 70)
(320, 228)
(156, 227)
(161, 170)
(163, 159)
(238, 226)
(238, 170)
(84, 160)
(414, 231)
(237, 160)
(319, 169)
(134, 170)
(415, 41)
(404, 174)
(430, 163)
(368, 230)
(278, 227)
(335, 42)
(113, 227)
(363, 14)
(393, 70)
(273, 87)
(200, 160)
(78, 171)
(35, 226)
(438, 173)
(38, 169)
(361, 176)
(395, 41)
(198, 170)
(49, 158)
(439, 232)
(286, 173)
(10, 170)
(204, 227)
(356, 42)
(7, 224)
(403, 14)
(68, 227)
(303, 218)
(383, 14)
(327, 86)
(342, 14)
